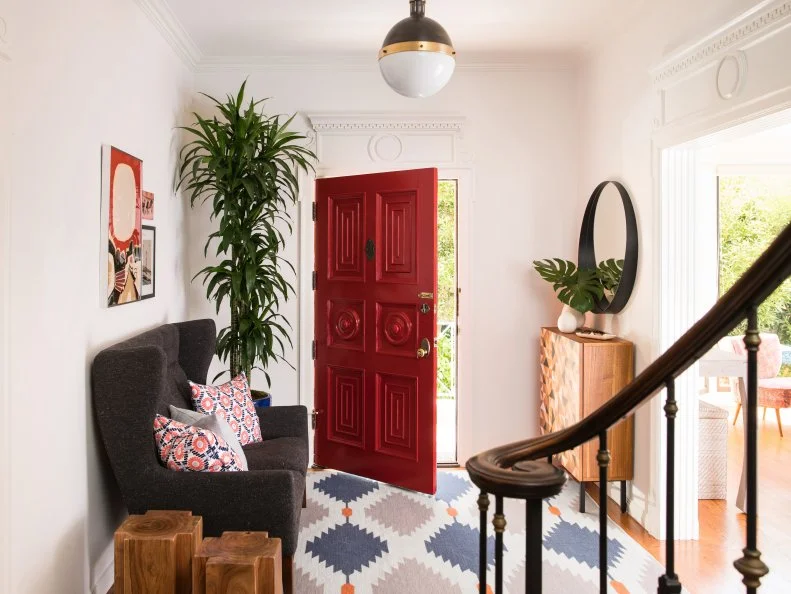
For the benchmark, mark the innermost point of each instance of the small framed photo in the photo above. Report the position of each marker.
(147, 206)
(148, 261)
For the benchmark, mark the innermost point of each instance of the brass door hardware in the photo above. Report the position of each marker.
(425, 349)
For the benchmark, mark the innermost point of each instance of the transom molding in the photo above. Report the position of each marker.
(369, 142)
(375, 123)
(171, 29)
(764, 18)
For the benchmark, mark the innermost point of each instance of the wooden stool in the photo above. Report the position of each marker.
(238, 563)
(153, 553)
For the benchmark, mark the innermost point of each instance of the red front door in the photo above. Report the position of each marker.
(376, 367)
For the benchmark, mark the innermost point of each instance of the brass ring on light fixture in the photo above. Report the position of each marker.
(417, 46)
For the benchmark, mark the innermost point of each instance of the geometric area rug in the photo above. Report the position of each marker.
(360, 536)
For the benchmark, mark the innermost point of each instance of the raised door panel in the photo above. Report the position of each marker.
(346, 406)
(397, 329)
(346, 324)
(346, 238)
(396, 233)
(397, 416)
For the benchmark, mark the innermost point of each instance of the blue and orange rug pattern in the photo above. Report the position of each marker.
(364, 537)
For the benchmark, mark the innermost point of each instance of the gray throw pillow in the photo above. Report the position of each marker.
(214, 424)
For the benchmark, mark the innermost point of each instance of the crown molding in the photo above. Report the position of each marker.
(760, 21)
(248, 64)
(376, 122)
(171, 29)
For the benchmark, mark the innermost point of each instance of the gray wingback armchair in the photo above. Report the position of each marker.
(134, 380)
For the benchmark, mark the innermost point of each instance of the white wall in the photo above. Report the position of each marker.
(86, 72)
(618, 113)
(523, 130)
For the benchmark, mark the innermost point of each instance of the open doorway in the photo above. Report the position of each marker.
(447, 321)
(733, 193)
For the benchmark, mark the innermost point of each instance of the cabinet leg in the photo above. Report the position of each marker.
(624, 504)
(582, 497)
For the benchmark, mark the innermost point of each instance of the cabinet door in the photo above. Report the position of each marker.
(607, 369)
(561, 389)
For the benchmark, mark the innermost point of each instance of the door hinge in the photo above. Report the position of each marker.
(313, 350)
(315, 279)
(315, 211)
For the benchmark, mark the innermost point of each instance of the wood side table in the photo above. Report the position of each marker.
(153, 552)
(238, 563)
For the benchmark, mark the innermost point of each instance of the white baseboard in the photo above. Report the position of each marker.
(103, 573)
(643, 511)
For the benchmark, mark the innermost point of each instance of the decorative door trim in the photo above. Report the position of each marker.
(357, 143)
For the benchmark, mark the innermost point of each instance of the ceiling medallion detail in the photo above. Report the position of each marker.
(347, 325)
(397, 328)
(417, 58)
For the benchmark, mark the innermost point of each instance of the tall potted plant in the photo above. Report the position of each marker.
(247, 165)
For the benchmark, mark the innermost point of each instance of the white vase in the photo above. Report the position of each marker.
(570, 319)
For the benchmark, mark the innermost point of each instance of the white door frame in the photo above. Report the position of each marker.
(5, 261)
(350, 144)
(705, 93)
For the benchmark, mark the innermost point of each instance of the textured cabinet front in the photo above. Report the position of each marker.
(579, 375)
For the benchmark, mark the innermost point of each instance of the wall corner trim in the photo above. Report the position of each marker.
(758, 22)
(172, 30)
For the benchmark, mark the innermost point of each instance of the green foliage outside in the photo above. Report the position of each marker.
(446, 298)
(753, 210)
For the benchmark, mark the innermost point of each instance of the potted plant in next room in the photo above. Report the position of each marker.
(246, 165)
(579, 289)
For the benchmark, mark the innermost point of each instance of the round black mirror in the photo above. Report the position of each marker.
(608, 244)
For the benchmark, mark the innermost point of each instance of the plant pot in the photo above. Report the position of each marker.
(570, 319)
(261, 399)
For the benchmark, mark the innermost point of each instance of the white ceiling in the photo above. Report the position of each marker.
(320, 29)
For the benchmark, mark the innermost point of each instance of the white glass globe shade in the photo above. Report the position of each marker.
(417, 74)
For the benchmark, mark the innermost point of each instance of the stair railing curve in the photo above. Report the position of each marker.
(524, 469)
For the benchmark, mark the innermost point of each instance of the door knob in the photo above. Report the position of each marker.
(425, 349)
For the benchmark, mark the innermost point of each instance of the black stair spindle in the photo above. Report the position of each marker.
(533, 550)
(603, 458)
(499, 529)
(750, 565)
(483, 506)
(669, 582)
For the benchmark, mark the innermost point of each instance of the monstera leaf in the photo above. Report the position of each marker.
(609, 273)
(577, 288)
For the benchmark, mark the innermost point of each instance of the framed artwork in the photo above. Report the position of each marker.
(148, 261)
(122, 225)
(148, 206)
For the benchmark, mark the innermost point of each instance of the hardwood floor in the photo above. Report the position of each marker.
(705, 566)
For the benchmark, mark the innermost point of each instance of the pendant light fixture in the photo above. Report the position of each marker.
(417, 58)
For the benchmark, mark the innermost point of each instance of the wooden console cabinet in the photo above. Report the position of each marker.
(578, 375)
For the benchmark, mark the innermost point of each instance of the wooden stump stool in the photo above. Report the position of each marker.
(153, 553)
(238, 563)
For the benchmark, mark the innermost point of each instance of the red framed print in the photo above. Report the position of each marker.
(122, 223)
